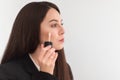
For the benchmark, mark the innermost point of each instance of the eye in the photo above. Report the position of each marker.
(54, 25)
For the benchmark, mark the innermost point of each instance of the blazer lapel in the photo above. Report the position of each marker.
(29, 65)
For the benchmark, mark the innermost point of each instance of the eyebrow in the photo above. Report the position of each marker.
(55, 20)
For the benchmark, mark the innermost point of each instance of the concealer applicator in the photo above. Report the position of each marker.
(47, 43)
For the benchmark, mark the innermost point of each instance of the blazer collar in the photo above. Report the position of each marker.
(29, 65)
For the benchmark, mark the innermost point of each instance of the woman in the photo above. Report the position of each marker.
(26, 57)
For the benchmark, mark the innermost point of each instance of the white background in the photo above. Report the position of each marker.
(92, 42)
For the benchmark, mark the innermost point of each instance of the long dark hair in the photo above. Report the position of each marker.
(25, 36)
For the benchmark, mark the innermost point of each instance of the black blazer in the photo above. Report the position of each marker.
(23, 69)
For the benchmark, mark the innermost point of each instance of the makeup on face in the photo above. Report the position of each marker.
(48, 42)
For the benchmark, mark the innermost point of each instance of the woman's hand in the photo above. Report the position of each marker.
(45, 57)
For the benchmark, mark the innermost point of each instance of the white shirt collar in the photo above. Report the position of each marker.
(37, 66)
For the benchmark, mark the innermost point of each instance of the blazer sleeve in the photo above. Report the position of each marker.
(5, 75)
(38, 76)
(43, 76)
(46, 76)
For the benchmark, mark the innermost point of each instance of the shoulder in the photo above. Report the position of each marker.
(9, 70)
(12, 70)
(11, 67)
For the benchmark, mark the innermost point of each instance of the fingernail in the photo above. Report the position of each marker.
(49, 46)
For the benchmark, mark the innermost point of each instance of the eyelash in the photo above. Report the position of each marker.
(55, 25)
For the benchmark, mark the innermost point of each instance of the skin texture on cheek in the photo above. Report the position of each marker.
(53, 38)
(44, 37)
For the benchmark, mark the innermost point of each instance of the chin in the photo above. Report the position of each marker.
(58, 47)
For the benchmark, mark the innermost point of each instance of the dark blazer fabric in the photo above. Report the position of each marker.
(23, 69)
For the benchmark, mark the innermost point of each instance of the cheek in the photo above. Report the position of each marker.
(54, 35)
(44, 36)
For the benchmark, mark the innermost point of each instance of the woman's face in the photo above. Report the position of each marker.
(52, 24)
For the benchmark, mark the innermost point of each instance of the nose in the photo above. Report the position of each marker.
(61, 31)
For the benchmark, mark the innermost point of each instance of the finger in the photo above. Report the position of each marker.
(43, 50)
(53, 57)
(49, 53)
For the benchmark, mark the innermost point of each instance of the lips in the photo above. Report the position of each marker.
(61, 40)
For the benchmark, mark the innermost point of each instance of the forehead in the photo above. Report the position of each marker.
(52, 14)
